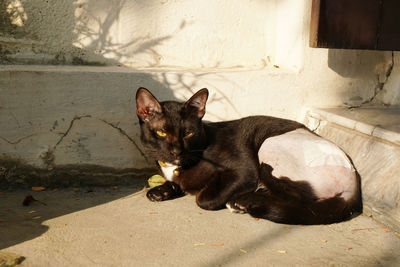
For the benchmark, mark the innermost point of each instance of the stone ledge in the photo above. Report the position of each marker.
(371, 139)
(383, 123)
(270, 70)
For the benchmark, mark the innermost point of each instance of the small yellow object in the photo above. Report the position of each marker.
(176, 173)
(161, 133)
(189, 134)
(156, 180)
(162, 163)
(244, 251)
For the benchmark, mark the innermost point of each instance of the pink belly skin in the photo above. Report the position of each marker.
(303, 156)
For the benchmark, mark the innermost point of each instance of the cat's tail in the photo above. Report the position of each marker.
(285, 201)
(327, 211)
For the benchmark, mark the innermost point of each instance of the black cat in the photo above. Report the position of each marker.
(268, 167)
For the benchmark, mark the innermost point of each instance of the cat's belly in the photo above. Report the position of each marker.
(302, 156)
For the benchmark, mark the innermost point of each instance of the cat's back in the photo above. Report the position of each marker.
(252, 130)
(231, 142)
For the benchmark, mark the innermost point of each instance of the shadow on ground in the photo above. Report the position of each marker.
(20, 223)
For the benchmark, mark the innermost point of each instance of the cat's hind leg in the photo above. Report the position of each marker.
(292, 202)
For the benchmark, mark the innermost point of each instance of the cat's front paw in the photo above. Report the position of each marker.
(157, 194)
(235, 207)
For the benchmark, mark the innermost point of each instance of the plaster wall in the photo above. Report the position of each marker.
(252, 55)
(137, 33)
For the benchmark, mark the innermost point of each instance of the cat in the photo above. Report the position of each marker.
(268, 167)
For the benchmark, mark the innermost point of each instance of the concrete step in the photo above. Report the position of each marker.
(371, 137)
(72, 115)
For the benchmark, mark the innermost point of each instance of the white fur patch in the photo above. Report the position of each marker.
(235, 210)
(230, 208)
(302, 156)
(168, 170)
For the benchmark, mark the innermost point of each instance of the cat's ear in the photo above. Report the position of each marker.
(146, 104)
(198, 102)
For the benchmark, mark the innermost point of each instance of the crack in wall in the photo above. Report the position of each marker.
(120, 130)
(317, 126)
(69, 128)
(17, 141)
(379, 87)
(48, 155)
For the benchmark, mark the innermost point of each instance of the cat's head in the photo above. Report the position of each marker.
(172, 131)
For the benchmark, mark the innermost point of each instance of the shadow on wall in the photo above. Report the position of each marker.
(369, 69)
(80, 101)
(359, 63)
(98, 35)
(71, 32)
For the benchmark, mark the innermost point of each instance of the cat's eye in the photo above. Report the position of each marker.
(189, 134)
(161, 133)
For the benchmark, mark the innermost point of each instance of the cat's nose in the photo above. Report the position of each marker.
(176, 151)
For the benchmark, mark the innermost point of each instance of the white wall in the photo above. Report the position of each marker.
(149, 33)
(194, 35)
(252, 55)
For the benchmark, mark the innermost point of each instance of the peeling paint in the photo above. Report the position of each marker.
(17, 174)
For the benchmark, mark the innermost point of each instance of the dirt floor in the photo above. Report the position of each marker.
(118, 226)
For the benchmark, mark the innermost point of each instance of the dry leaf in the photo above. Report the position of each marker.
(244, 251)
(10, 259)
(153, 212)
(55, 190)
(323, 240)
(282, 251)
(199, 244)
(32, 211)
(398, 235)
(36, 217)
(386, 230)
(256, 219)
(28, 200)
(156, 180)
(38, 188)
(217, 244)
(113, 187)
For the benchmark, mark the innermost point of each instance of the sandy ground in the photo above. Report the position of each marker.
(120, 227)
